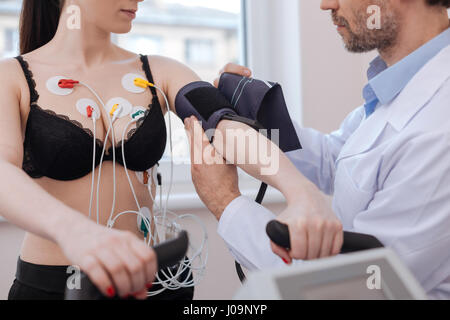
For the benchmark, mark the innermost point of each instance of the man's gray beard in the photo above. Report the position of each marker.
(368, 40)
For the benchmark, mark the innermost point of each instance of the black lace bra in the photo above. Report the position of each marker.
(61, 149)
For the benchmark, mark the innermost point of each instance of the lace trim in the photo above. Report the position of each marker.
(66, 118)
(89, 131)
(34, 95)
(148, 74)
(27, 165)
(138, 125)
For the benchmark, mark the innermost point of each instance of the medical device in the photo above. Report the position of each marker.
(166, 224)
(262, 102)
(369, 272)
(376, 274)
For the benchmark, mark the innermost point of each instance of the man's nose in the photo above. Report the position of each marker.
(329, 5)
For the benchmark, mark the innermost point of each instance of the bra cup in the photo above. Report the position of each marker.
(62, 149)
(63, 152)
(146, 147)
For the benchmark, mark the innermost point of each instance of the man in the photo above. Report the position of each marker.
(388, 167)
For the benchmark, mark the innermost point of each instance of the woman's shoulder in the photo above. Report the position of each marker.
(167, 63)
(11, 73)
(170, 74)
(170, 71)
(161, 65)
(9, 64)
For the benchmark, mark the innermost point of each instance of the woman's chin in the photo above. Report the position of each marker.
(122, 29)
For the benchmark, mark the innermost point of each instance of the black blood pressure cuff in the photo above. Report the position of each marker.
(264, 103)
(205, 102)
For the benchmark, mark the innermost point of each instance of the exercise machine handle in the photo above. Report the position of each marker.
(168, 254)
(353, 242)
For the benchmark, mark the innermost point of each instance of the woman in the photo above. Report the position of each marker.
(58, 235)
(46, 150)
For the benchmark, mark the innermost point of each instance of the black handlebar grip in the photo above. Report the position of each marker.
(279, 233)
(172, 251)
(168, 254)
(353, 242)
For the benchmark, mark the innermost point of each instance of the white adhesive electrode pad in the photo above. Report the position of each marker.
(52, 86)
(137, 112)
(82, 105)
(128, 83)
(126, 105)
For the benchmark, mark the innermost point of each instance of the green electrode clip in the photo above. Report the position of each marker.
(137, 114)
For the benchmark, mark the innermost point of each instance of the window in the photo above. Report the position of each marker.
(144, 43)
(11, 44)
(200, 51)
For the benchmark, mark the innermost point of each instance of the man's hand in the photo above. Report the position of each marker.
(233, 68)
(215, 181)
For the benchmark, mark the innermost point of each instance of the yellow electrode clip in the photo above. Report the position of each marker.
(141, 83)
(114, 109)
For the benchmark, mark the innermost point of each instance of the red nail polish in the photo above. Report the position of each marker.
(111, 292)
(285, 261)
(149, 285)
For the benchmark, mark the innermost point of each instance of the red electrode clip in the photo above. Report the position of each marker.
(146, 177)
(67, 83)
(89, 111)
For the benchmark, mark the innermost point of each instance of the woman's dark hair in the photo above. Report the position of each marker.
(445, 3)
(38, 23)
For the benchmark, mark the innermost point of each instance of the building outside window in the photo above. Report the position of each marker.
(200, 51)
(145, 43)
(11, 42)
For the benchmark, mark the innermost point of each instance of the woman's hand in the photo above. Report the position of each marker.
(117, 262)
(233, 68)
(315, 231)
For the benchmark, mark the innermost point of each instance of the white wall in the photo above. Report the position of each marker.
(332, 78)
(296, 44)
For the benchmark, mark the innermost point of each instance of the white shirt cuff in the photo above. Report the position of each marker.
(243, 228)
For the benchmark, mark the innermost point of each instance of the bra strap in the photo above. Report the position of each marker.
(148, 74)
(34, 96)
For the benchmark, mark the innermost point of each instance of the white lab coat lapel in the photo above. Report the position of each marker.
(420, 90)
(366, 135)
(399, 112)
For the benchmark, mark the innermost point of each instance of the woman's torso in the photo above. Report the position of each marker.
(106, 80)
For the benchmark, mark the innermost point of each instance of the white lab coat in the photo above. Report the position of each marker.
(389, 176)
